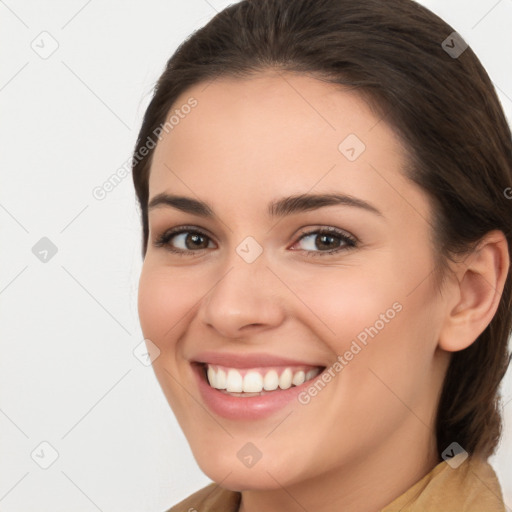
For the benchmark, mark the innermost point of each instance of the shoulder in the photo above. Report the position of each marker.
(471, 486)
(211, 498)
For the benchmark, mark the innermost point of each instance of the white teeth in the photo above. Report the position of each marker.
(311, 374)
(217, 379)
(254, 381)
(271, 381)
(285, 381)
(299, 378)
(234, 382)
(221, 379)
(212, 377)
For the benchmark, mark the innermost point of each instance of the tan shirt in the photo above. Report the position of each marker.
(471, 487)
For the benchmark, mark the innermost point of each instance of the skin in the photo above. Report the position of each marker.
(368, 435)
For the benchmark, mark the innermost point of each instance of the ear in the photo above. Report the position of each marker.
(475, 293)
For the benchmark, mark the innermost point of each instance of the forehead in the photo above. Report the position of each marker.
(277, 134)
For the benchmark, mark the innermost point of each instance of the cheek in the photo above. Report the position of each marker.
(370, 315)
(343, 301)
(163, 301)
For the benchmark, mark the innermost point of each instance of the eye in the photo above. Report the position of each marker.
(326, 240)
(186, 240)
(183, 240)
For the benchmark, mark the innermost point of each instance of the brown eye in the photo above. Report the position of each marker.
(326, 240)
(183, 241)
(195, 241)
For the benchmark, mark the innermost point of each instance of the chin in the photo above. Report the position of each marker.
(232, 474)
(243, 480)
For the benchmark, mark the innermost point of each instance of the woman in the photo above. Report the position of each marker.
(326, 239)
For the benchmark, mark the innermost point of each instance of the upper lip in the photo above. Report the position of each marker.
(241, 360)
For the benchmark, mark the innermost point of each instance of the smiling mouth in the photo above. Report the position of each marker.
(258, 381)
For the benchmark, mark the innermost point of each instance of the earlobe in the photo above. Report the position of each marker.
(477, 291)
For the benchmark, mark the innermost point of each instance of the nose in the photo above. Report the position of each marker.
(245, 300)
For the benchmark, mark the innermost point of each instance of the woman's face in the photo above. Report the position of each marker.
(254, 291)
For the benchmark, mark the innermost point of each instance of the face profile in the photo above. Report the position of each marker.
(294, 284)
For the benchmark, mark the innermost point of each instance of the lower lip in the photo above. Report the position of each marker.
(245, 408)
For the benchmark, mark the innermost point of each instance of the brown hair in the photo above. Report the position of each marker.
(443, 107)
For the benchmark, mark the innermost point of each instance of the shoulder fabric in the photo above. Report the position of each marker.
(211, 498)
(471, 487)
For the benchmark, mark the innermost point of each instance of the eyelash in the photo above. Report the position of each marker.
(349, 241)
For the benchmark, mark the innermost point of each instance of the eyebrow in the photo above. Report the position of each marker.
(277, 208)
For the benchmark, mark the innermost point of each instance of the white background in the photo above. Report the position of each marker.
(68, 326)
